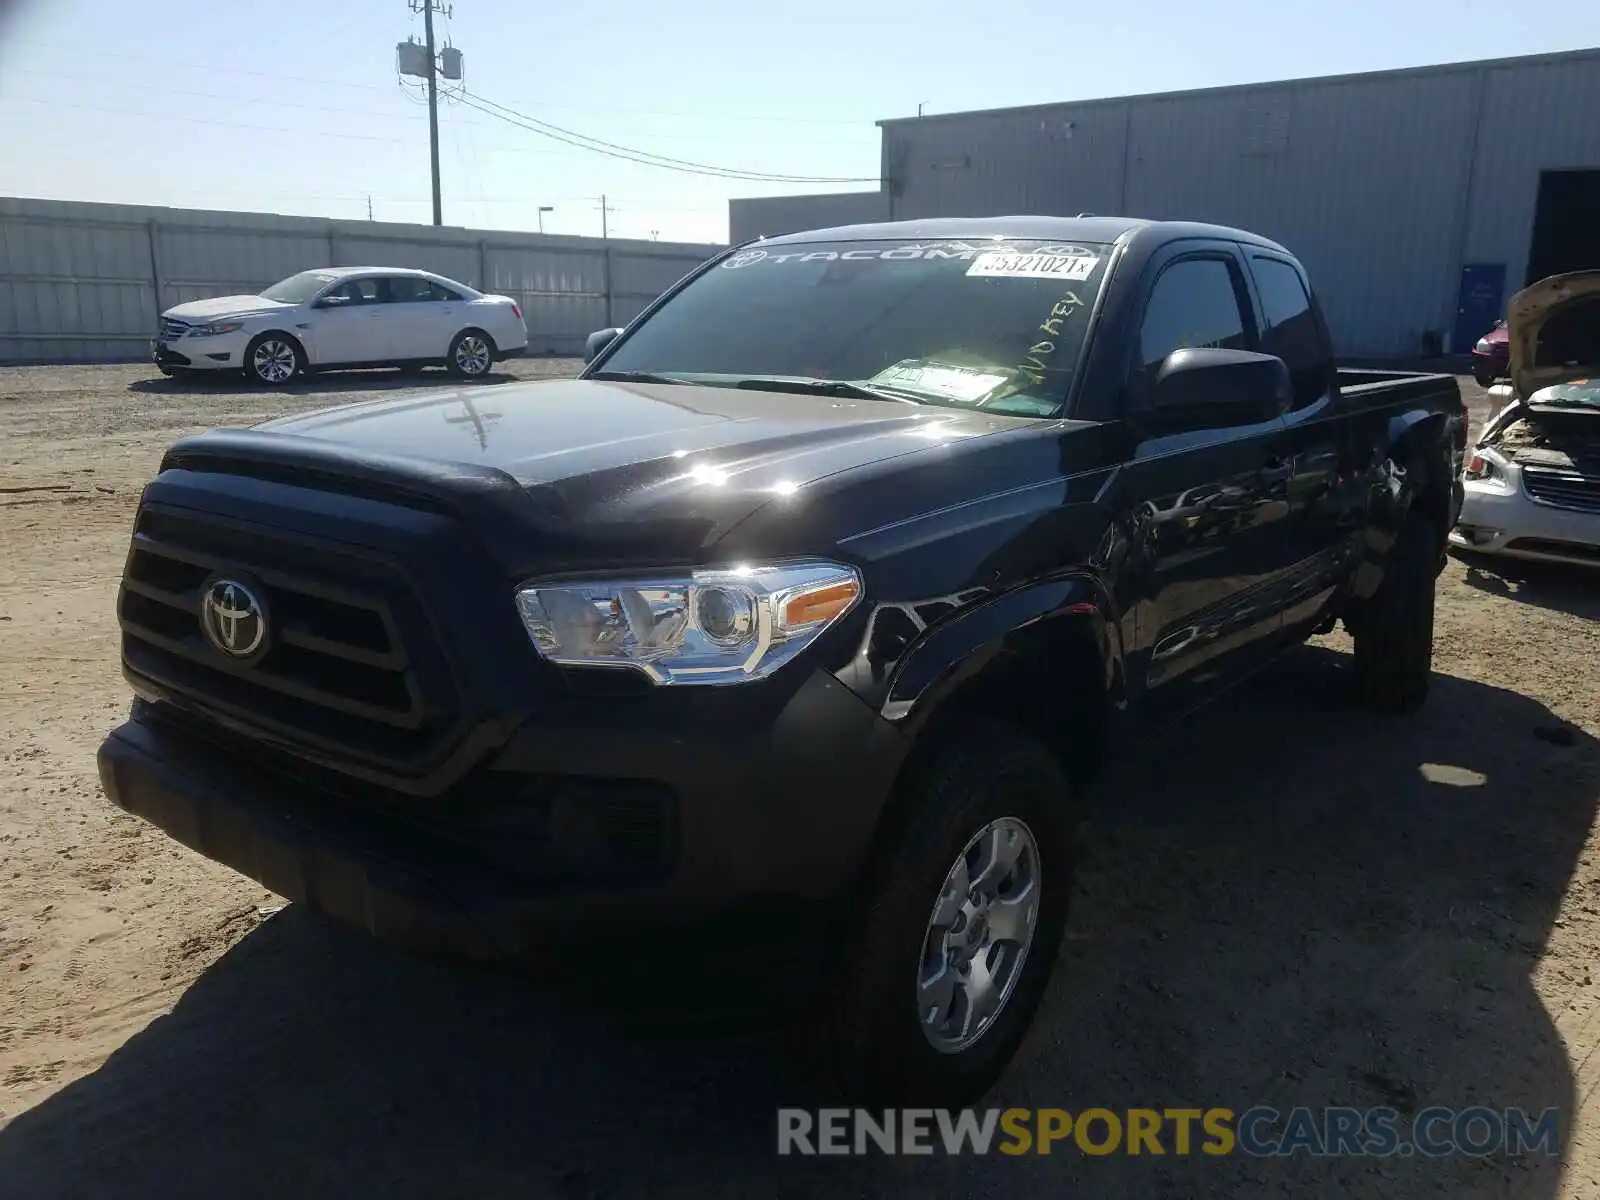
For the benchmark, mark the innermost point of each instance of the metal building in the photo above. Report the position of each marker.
(1418, 199)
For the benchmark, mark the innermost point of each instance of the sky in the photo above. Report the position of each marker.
(294, 106)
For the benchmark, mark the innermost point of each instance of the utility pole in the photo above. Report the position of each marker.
(427, 62)
(433, 106)
(605, 250)
(369, 206)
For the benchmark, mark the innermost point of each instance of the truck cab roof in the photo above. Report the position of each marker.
(1080, 229)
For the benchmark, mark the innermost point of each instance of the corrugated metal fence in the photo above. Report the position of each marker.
(86, 282)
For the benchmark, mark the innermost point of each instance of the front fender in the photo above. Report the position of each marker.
(1418, 457)
(905, 675)
(1417, 461)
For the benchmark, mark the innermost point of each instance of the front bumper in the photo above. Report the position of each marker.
(1496, 365)
(224, 353)
(773, 822)
(1499, 517)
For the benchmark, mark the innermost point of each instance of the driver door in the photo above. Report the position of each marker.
(1206, 515)
(347, 324)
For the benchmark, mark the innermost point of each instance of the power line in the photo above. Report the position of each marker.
(369, 113)
(643, 157)
(171, 116)
(226, 68)
(271, 101)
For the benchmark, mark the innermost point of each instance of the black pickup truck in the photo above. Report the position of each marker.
(815, 598)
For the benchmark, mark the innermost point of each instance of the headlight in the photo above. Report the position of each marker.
(216, 328)
(1481, 466)
(713, 626)
(1483, 346)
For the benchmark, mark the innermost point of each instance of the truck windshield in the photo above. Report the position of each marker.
(997, 325)
(297, 289)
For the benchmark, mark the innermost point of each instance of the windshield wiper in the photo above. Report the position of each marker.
(825, 387)
(633, 377)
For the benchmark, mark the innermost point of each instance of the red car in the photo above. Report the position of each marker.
(1491, 357)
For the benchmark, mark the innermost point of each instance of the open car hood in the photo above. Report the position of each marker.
(1535, 361)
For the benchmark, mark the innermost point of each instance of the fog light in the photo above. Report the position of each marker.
(1478, 535)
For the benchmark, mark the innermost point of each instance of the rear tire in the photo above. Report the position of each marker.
(1394, 633)
(932, 918)
(273, 359)
(471, 354)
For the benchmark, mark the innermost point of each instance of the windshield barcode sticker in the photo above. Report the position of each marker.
(1002, 264)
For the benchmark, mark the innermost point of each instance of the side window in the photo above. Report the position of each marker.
(1194, 303)
(412, 289)
(1292, 332)
(355, 291)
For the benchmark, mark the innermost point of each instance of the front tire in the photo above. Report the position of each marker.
(1484, 375)
(273, 359)
(1394, 630)
(471, 354)
(946, 956)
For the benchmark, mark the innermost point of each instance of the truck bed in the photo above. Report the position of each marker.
(1361, 381)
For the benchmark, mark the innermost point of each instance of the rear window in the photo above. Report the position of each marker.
(996, 324)
(1292, 332)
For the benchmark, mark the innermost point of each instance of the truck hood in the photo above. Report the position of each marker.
(1574, 353)
(223, 306)
(614, 460)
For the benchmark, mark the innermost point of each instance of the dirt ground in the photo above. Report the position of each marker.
(1285, 902)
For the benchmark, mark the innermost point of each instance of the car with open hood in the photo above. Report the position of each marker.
(1532, 484)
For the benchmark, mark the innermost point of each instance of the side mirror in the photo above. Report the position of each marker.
(1212, 389)
(329, 302)
(597, 342)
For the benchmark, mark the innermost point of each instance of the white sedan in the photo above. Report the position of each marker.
(343, 317)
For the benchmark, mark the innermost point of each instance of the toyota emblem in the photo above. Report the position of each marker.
(233, 618)
(744, 258)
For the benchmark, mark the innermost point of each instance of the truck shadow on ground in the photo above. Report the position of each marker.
(1283, 902)
(330, 382)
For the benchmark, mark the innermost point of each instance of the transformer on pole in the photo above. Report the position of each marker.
(424, 61)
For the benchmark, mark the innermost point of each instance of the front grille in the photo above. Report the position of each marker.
(172, 330)
(351, 663)
(1566, 489)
